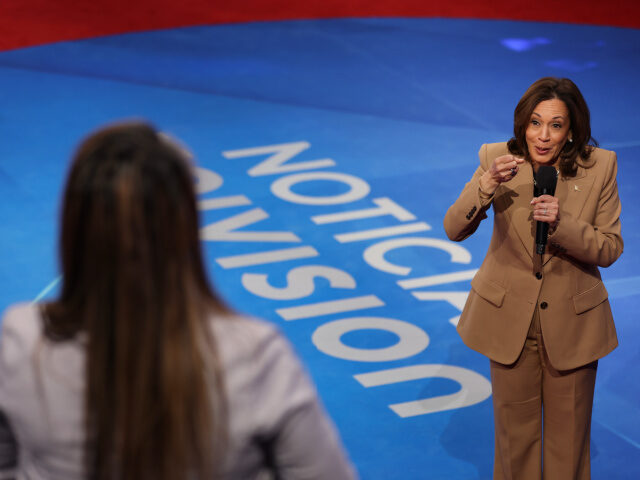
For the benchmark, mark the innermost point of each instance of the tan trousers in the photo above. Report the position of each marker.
(542, 416)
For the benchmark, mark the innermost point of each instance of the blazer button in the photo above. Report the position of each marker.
(538, 275)
(544, 305)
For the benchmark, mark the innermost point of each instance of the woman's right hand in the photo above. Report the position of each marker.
(502, 170)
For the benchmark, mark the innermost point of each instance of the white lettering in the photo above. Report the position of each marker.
(374, 255)
(223, 202)
(382, 232)
(206, 180)
(457, 299)
(281, 154)
(281, 188)
(411, 339)
(474, 387)
(386, 206)
(271, 256)
(329, 307)
(223, 229)
(300, 282)
(437, 279)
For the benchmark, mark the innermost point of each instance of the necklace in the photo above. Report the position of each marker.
(535, 184)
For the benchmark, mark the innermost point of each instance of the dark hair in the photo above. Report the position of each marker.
(134, 283)
(548, 88)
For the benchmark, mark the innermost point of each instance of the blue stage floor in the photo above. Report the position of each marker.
(400, 108)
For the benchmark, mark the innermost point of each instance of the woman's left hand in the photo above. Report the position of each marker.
(546, 209)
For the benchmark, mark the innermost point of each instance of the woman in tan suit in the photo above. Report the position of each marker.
(544, 320)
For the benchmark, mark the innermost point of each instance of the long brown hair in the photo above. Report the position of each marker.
(135, 289)
(548, 88)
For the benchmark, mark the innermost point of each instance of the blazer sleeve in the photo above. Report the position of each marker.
(8, 444)
(464, 216)
(302, 441)
(599, 243)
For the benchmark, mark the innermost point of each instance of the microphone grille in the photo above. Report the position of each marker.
(546, 178)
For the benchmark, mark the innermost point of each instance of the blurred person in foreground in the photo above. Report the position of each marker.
(138, 370)
(543, 320)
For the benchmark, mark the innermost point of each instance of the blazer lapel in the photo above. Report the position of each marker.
(521, 212)
(572, 193)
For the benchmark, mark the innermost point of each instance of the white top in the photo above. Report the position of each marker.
(271, 402)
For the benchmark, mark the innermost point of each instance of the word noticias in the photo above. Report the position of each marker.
(300, 280)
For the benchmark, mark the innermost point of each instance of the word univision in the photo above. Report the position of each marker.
(275, 160)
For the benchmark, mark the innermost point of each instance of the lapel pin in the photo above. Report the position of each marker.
(576, 188)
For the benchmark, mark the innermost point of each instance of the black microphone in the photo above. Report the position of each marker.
(545, 184)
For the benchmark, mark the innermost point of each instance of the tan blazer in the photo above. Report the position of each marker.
(575, 314)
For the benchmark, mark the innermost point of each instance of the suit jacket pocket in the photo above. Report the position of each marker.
(490, 291)
(590, 298)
